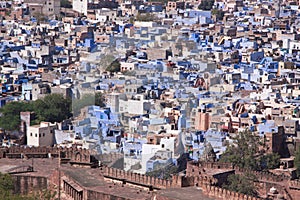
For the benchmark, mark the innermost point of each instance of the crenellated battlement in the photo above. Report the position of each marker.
(72, 154)
(294, 184)
(221, 193)
(205, 173)
(140, 179)
(196, 168)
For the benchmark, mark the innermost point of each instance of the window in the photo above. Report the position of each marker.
(163, 146)
(39, 135)
(43, 134)
(35, 135)
(30, 134)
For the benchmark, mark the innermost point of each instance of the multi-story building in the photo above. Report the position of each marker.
(49, 8)
(41, 135)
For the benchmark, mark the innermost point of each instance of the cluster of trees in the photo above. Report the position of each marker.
(7, 188)
(219, 14)
(244, 153)
(52, 108)
(242, 183)
(206, 4)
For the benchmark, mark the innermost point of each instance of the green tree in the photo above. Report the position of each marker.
(6, 183)
(45, 195)
(243, 151)
(219, 13)
(297, 162)
(52, 108)
(242, 184)
(206, 4)
(65, 4)
(7, 188)
(10, 118)
(269, 161)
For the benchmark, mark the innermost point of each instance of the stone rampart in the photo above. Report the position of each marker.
(141, 179)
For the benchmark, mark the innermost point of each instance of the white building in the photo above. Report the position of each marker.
(41, 135)
(149, 150)
(80, 6)
(137, 105)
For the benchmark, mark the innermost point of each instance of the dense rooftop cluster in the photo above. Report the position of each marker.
(156, 81)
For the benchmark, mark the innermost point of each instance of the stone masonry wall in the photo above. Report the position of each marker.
(141, 178)
(25, 184)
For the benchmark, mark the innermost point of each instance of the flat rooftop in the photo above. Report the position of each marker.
(186, 193)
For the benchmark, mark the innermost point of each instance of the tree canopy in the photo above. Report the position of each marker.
(269, 161)
(244, 153)
(206, 4)
(52, 108)
(10, 120)
(219, 13)
(242, 184)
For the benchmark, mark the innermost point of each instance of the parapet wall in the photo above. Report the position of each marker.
(141, 179)
(194, 168)
(25, 184)
(294, 183)
(220, 193)
(74, 154)
(267, 180)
